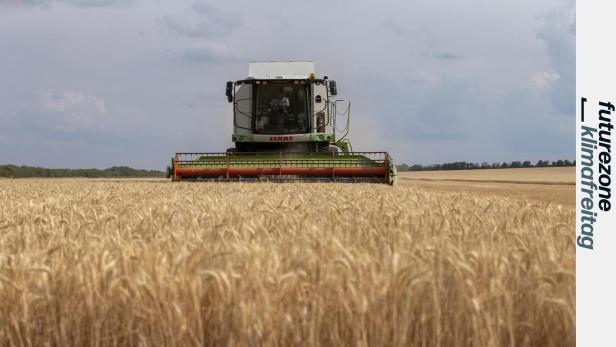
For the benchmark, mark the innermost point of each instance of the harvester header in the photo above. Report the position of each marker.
(286, 126)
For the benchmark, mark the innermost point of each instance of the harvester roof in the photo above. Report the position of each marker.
(281, 70)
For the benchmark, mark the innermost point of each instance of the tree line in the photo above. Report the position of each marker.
(463, 165)
(15, 171)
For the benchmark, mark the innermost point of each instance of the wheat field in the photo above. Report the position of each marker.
(151, 263)
(540, 175)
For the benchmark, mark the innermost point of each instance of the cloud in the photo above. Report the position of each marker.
(446, 56)
(543, 79)
(202, 21)
(98, 3)
(395, 28)
(68, 128)
(69, 100)
(208, 53)
(421, 36)
(423, 41)
(278, 22)
(558, 36)
(423, 109)
(71, 110)
(77, 3)
(203, 99)
(24, 3)
(33, 2)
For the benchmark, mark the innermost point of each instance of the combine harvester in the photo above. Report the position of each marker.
(285, 128)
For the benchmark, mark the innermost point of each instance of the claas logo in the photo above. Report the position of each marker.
(281, 138)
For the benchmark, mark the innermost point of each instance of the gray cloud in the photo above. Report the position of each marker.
(202, 21)
(446, 56)
(203, 99)
(210, 53)
(98, 3)
(434, 111)
(33, 2)
(78, 3)
(558, 35)
(75, 129)
(72, 109)
(13, 4)
(278, 22)
(424, 41)
(395, 28)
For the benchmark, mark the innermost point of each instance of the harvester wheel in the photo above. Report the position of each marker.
(168, 172)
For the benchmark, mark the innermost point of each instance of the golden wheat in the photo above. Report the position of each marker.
(540, 175)
(151, 263)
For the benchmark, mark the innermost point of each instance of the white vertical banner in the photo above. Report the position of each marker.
(595, 162)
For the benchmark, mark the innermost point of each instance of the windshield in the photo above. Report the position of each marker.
(281, 108)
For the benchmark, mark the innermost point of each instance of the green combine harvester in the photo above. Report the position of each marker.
(286, 127)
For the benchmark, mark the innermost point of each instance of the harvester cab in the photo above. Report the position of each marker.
(286, 126)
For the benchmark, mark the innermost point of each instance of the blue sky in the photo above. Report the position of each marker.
(129, 82)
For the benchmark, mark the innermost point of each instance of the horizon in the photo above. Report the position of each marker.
(428, 165)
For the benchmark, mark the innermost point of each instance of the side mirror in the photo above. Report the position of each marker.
(229, 91)
(332, 88)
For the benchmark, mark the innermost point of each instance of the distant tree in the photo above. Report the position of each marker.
(122, 171)
(29, 171)
(459, 165)
(402, 167)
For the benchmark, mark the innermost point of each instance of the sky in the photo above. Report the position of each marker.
(101, 83)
